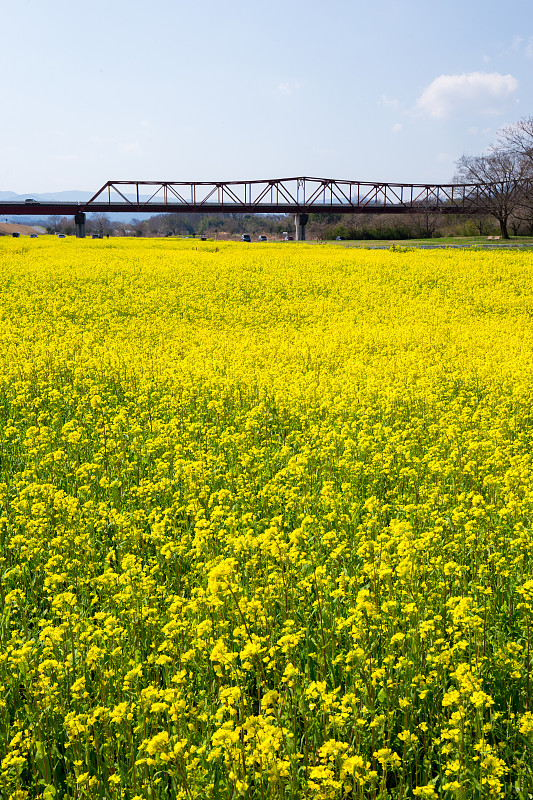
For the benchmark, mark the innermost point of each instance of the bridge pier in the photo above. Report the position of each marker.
(79, 221)
(300, 221)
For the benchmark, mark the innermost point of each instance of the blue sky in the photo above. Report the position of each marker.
(394, 90)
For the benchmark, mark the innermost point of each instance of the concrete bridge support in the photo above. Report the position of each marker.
(300, 221)
(79, 220)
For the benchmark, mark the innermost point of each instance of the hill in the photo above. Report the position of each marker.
(8, 228)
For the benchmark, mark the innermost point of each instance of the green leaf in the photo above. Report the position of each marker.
(43, 763)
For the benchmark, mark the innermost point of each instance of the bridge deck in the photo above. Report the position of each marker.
(69, 209)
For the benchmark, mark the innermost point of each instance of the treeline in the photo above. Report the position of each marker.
(323, 227)
(412, 226)
(212, 224)
(196, 224)
(399, 227)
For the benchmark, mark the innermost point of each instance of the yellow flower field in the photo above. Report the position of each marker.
(265, 521)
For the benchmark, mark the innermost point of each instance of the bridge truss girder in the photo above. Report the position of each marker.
(296, 195)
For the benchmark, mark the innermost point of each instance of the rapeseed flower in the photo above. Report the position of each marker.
(264, 521)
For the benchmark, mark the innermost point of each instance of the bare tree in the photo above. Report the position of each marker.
(427, 220)
(54, 223)
(100, 223)
(515, 223)
(518, 138)
(501, 173)
(478, 225)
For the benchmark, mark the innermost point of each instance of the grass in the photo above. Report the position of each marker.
(462, 241)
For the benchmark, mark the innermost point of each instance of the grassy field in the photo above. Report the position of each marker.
(265, 521)
(443, 241)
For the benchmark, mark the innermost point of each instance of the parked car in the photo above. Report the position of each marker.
(60, 235)
(246, 237)
(263, 239)
(34, 236)
(288, 238)
(30, 200)
(15, 234)
(339, 239)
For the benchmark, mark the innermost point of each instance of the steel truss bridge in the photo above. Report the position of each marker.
(299, 196)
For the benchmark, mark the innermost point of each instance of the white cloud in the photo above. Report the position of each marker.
(475, 131)
(388, 102)
(396, 128)
(287, 89)
(519, 46)
(471, 92)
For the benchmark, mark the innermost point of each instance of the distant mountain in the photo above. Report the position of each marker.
(9, 196)
(74, 196)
